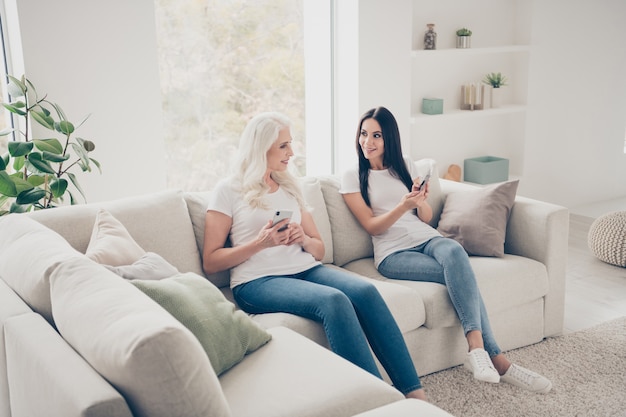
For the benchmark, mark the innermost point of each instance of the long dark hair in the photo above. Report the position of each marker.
(392, 157)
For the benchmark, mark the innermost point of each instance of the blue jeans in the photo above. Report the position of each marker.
(351, 311)
(444, 261)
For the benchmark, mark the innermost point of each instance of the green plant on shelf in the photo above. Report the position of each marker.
(464, 32)
(34, 172)
(495, 79)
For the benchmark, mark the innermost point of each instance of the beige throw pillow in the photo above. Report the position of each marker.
(110, 243)
(477, 219)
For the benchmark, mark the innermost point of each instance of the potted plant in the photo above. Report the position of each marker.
(34, 172)
(495, 80)
(463, 38)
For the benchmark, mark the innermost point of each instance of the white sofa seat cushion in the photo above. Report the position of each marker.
(504, 283)
(26, 270)
(407, 408)
(144, 352)
(290, 377)
(48, 378)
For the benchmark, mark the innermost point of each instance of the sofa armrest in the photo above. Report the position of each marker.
(48, 378)
(539, 231)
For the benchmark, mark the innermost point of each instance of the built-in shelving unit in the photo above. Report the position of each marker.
(500, 43)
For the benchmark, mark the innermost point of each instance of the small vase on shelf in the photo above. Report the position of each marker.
(495, 99)
(495, 80)
(430, 37)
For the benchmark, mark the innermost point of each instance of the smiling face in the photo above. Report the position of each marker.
(372, 143)
(280, 152)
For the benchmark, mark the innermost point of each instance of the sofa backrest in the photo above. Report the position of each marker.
(197, 203)
(350, 240)
(158, 222)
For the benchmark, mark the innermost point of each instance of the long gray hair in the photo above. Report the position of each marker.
(257, 138)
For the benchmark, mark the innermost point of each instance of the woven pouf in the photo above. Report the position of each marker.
(607, 238)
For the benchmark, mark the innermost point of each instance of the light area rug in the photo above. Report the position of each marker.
(587, 369)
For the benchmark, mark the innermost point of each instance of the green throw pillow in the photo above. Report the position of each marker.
(226, 334)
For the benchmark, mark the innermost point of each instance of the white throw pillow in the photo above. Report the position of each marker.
(151, 266)
(154, 361)
(110, 243)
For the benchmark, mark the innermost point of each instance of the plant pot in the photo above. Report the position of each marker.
(495, 97)
(463, 42)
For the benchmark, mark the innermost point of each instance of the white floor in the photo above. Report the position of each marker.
(599, 208)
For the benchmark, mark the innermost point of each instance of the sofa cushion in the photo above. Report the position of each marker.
(26, 270)
(226, 334)
(154, 361)
(151, 266)
(48, 378)
(477, 219)
(405, 304)
(290, 377)
(350, 240)
(197, 203)
(110, 242)
(158, 222)
(312, 191)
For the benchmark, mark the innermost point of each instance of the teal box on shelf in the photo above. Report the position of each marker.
(486, 169)
(432, 105)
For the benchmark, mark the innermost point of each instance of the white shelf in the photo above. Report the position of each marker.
(458, 114)
(470, 51)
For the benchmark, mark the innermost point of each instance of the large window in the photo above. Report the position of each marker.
(222, 62)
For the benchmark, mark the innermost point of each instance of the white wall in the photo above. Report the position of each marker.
(577, 102)
(100, 58)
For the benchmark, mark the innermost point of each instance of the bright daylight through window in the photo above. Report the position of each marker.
(222, 62)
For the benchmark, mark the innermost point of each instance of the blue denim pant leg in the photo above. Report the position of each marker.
(444, 261)
(351, 311)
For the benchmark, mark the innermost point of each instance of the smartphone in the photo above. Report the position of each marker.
(424, 182)
(281, 215)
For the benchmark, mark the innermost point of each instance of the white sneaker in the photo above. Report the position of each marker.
(527, 379)
(479, 363)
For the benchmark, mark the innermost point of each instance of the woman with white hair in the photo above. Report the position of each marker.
(278, 269)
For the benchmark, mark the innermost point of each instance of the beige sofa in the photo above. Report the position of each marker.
(55, 358)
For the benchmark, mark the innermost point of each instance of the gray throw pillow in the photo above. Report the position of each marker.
(477, 219)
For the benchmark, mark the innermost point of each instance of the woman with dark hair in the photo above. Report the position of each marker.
(277, 268)
(385, 194)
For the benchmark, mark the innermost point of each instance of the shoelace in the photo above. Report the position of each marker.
(483, 361)
(522, 375)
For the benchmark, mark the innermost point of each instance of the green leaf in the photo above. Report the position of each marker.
(82, 154)
(74, 180)
(20, 148)
(7, 131)
(16, 88)
(96, 163)
(36, 163)
(49, 145)
(43, 119)
(14, 109)
(53, 157)
(30, 196)
(36, 180)
(7, 186)
(87, 144)
(20, 208)
(65, 127)
(58, 187)
(18, 163)
(20, 183)
(3, 165)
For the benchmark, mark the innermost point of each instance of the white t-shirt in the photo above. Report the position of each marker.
(385, 192)
(247, 222)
